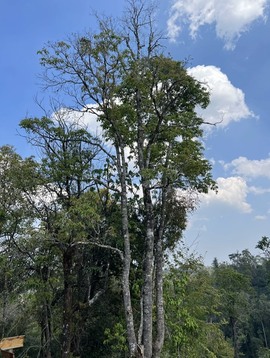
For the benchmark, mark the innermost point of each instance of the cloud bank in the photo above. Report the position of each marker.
(231, 18)
(227, 103)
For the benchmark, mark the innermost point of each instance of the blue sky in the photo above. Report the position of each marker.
(229, 46)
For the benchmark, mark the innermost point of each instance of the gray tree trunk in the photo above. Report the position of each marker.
(122, 171)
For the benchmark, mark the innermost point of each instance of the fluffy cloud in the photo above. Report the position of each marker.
(231, 18)
(231, 191)
(250, 168)
(227, 102)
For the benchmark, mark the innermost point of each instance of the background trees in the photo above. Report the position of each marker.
(193, 307)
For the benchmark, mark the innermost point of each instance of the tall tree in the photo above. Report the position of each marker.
(146, 104)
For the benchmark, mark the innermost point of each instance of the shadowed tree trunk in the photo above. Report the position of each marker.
(68, 302)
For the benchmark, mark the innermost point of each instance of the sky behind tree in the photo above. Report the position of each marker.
(227, 45)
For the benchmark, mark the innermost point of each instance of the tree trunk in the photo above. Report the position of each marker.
(147, 337)
(46, 332)
(4, 305)
(160, 324)
(264, 335)
(131, 336)
(159, 264)
(235, 338)
(68, 303)
(46, 337)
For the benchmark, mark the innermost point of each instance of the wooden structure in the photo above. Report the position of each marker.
(8, 344)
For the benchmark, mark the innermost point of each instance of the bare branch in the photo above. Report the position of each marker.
(114, 249)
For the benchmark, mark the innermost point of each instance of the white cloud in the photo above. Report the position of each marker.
(250, 168)
(87, 118)
(197, 222)
(232, 191)
(227, 103)
(92, 123)
(258, 191)
(231, 17)
(260, 217)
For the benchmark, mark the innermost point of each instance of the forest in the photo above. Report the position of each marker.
(92, 260)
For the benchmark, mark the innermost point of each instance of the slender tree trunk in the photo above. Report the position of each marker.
(159, 264)
(140, 331)
(235, 338)
(126, 284)
(5, 303)
(264, 335)
(148, 277)
(46, 334)
(131, 336)
(160, 324)
(68, 303)
(46, 331)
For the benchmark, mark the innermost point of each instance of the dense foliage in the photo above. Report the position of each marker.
(60, 265)
(217, 311)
